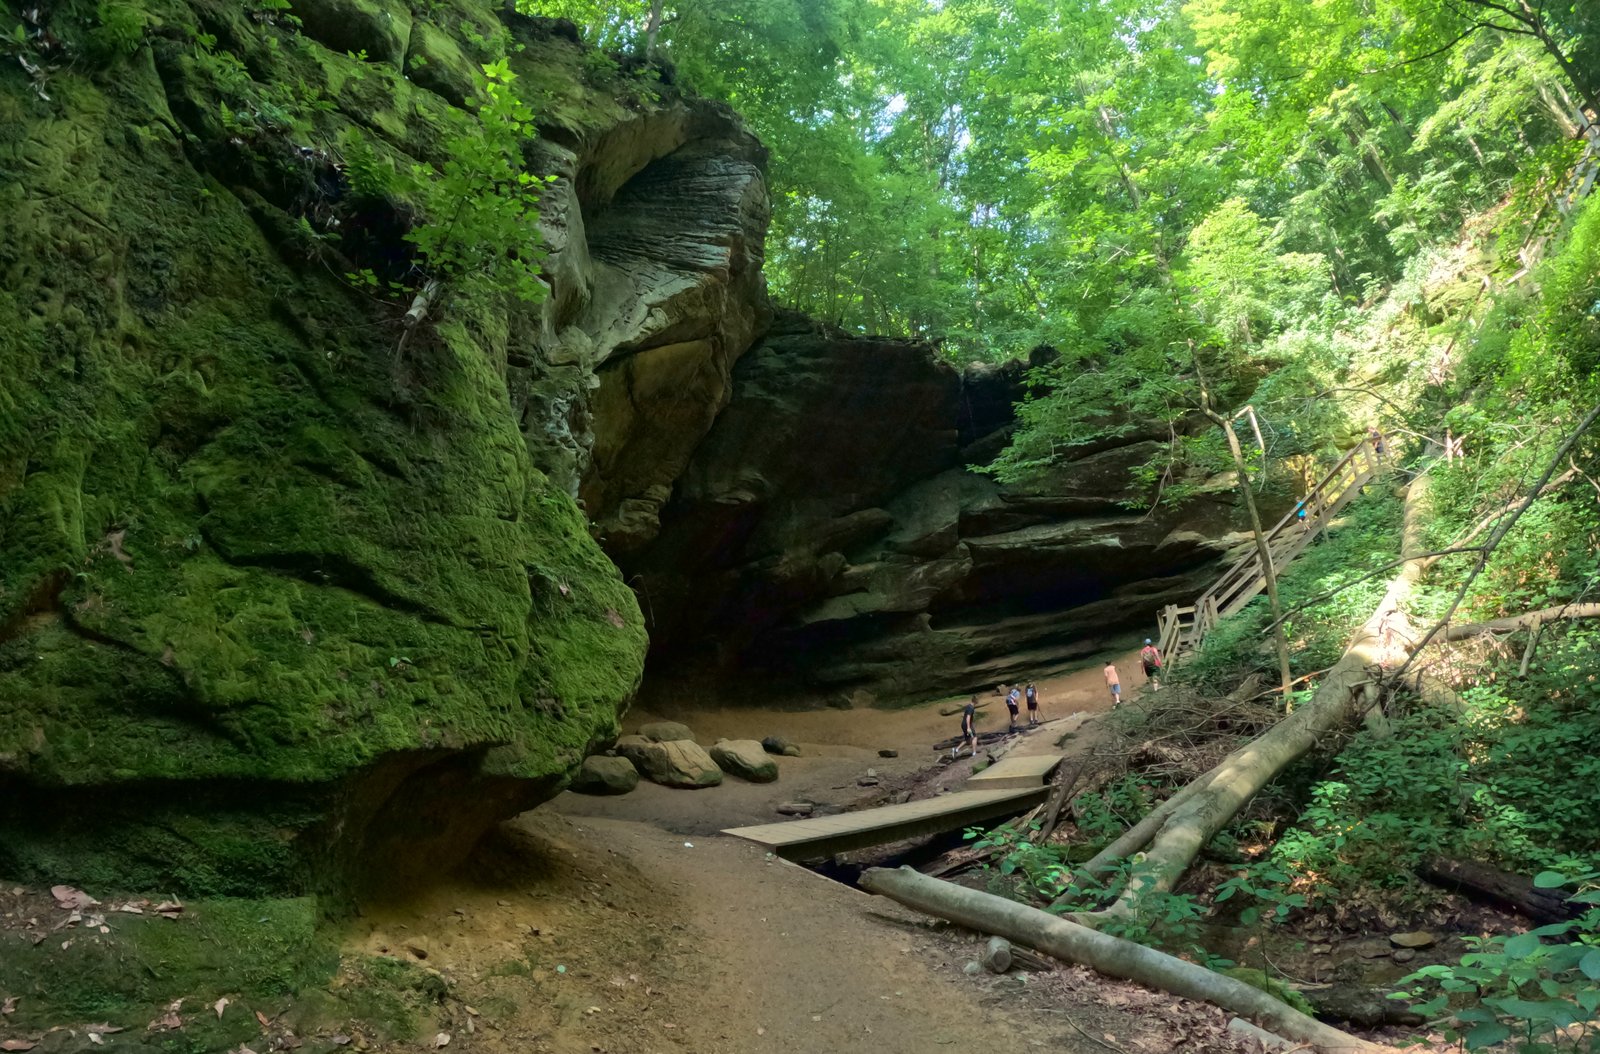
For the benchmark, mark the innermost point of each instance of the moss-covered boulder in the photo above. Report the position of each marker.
(605, 775)
(280, 605)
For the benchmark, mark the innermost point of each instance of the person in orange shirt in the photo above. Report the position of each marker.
(1113, 683)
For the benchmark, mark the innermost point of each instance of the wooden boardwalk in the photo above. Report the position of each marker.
(1015, 773)
(1013, 785)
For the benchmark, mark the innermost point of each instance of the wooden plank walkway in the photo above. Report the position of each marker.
(1012, 772)
(1008, 787)
(821, 836)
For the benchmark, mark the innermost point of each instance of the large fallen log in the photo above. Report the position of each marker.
(1105, 954)
(1348, 691)
(1177, 831)
(1485, 883)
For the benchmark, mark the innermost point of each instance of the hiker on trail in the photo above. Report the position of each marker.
(1012, 702)
(969, 728)
(1150, 656)
(1113, 683)
(1300, 515)
(1375, 437)
(1033, 704)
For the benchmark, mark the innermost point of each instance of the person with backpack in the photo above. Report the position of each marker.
(1013, 699)
(969, 728)
(1033, 705)
(1150, 656)
(1113, 683)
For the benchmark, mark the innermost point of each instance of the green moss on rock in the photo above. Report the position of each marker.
(248, 557)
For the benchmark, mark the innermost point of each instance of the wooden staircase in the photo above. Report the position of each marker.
(1183, 628)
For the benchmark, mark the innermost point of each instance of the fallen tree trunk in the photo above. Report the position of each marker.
(1484, 883)
(1105, 954)
(1513, 623)
(1344, 696)
(1181, 827)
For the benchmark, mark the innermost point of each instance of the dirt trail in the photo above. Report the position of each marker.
(629, 925)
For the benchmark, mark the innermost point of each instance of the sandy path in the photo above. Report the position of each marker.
(629, 925)
(792, 962)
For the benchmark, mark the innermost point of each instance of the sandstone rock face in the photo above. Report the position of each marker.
(677, 763)
(604, 775)
(744, 758)
(281, 608)
(827, 537)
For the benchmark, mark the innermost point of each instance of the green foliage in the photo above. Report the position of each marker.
(480, 233)
(1041, 871)
(370, 176)
(1520, 988)
(1264, 883)
(120, 30)
(258, 953)
(1509, 781)
(1367, 538)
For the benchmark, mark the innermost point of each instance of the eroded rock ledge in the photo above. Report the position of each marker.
(827, 535)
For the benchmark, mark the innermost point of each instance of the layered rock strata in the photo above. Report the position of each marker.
(828, 536)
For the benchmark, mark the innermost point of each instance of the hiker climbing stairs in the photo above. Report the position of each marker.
(1183, 628)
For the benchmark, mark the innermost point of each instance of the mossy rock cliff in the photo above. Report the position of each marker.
(280, 608)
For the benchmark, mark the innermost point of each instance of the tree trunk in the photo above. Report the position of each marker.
(1105, 954)
(1482, 882)
(1530, 620)
(652, 29)
(1340, 701)
(1264, 554)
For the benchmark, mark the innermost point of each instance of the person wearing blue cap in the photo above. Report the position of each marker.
(1150, 657)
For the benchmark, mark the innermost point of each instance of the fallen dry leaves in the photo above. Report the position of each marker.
(70, 899)
(169, 1021)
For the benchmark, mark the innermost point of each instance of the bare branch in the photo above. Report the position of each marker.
(1499, 533)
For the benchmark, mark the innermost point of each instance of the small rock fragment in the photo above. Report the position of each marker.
(886, 753)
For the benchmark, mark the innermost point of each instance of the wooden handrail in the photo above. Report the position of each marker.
(1287, 539)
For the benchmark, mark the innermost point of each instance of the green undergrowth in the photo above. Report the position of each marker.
(1361, 541)
(1508, 780)
(261, 955)
(277, 958)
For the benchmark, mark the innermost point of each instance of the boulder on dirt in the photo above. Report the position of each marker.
(666, 732)
(601, 774)
(676, 763)
(780, 746)
(1413, 939)
(744, 758)
(886, 753)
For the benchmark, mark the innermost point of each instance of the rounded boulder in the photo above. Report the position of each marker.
(603, 775)
(746, 759)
